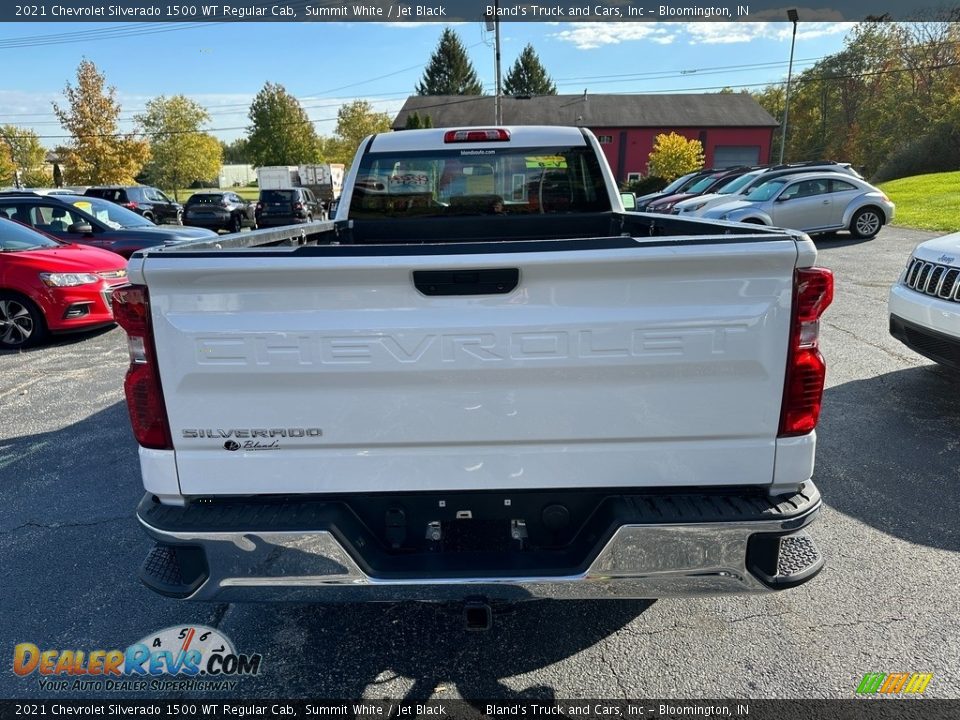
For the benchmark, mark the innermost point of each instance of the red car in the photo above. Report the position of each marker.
(50, 286)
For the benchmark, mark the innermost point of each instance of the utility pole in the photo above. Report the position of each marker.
(492, 22)
(498, 120)
(793, 17)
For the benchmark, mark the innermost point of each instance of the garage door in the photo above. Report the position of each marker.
(730, 155)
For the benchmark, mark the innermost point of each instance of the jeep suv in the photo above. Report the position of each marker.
(287, 206)
(143, 200)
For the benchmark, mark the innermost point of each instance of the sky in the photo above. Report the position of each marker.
(223, 65)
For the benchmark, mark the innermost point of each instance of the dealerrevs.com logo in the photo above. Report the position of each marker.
(194, 657)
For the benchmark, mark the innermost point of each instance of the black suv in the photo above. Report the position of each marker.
(92, 221)
(288, 206)
(143, 200)
(221, 210)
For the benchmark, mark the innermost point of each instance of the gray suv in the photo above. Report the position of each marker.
(288, 206)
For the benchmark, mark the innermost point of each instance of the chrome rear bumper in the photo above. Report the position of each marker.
(767, 551)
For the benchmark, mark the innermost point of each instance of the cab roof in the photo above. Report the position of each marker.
(520, 136)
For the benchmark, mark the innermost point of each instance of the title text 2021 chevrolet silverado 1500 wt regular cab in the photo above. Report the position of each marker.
(483, 379)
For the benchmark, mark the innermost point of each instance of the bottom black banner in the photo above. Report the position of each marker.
(872, 709)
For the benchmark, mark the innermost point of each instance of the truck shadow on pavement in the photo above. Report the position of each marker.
(418, 651)
(887, 453)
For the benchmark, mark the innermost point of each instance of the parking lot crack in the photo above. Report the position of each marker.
(876, 346)
(56, 526)
(616, 675)
(757, 615)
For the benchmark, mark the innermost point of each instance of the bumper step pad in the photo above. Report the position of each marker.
(784, 561)
(174, 571)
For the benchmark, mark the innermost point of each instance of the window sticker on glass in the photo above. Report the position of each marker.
(408, 182)
(546, 161)
(86, 207)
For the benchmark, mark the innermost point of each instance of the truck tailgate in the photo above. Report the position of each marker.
(658, 363)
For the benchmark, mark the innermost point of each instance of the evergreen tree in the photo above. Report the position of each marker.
(449, 71)
(413, 122)
(528, 76)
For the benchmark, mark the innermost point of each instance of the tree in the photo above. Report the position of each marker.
(8, 167)
(449, 71)
(673, 155)
(24, 153)
(98, 154)
(355, 121)
(281, 134)
(236, 151)
(181, 152)
(528, 76)
(415, 121)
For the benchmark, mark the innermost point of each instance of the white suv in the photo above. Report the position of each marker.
(925, 303)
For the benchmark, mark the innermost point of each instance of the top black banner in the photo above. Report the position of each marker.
(476, 10)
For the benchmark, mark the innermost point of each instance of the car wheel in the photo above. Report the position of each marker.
(309, 218)
(180, 218)
(236, 224)
(866, 223)
(148, 216)
(21, 323)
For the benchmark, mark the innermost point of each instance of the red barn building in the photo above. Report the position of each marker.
(733, 127)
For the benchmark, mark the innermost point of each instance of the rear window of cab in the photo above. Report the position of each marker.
(451, 182)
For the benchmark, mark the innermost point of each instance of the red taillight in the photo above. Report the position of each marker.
(298, 206)
(148, 413)
(806, 370)
(491, 135)
(131, 205)
(259, 206)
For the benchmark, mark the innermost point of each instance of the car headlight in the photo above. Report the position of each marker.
(725, 216)
(694, 208)
(68, 279)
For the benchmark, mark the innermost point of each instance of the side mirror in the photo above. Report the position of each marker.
(629, 200)
(784, 198)
(81, 227)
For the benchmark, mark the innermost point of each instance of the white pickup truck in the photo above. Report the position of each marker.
(485, 379)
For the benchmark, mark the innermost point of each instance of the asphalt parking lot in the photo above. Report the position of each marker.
(887, 465)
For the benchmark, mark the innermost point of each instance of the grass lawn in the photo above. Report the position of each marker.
(926, 202)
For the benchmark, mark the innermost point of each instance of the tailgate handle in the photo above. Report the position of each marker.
(497, 281)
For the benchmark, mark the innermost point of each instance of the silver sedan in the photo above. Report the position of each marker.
(814, 203)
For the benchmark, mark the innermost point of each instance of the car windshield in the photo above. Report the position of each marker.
(678, 183)
(205, 199)
(111, 194)
(465, 181)
(109, 213)
(276, 196)
(701, 185)
(15, 237)
(765, 191)
(737, 183)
